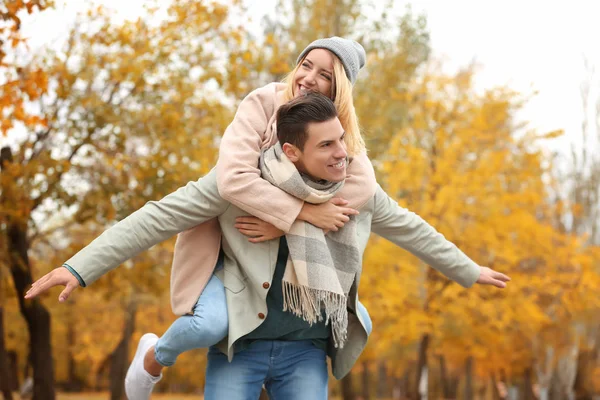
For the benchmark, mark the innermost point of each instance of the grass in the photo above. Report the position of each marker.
(106, 396)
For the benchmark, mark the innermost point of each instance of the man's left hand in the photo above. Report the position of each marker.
(488, 276)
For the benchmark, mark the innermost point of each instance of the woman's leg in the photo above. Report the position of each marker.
(364, 314)
(207, 327)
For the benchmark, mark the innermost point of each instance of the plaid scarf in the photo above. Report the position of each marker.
(321, 268)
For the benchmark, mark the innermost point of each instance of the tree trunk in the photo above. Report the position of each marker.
(4, 368)
(468, 395)
(348, 392)
(444, 378)
(74, 382)
(513, 392)
(120, 356)
(421, 366)
(544, 393)
(13, 372)
(528, 386)
(102, 374)
(424, 384)
(567, 368)
(406, 383)
(585, 366)
(36, 315)
(382, 386)
(555, 392)
(495, 391)
(366, 390)
(543, 368)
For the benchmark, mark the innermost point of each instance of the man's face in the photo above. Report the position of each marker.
(324, 154)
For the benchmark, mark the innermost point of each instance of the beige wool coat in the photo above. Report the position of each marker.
(252, 129)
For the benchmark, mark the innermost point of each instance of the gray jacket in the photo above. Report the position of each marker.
(249, 265)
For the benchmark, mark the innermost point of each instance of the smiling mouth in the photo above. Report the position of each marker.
(303, 89)
(339, 165)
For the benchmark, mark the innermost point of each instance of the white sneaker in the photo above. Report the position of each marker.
(138, 382)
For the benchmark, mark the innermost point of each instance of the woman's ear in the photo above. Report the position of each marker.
(291, 151)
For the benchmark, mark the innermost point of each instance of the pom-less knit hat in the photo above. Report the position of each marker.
(351, 53)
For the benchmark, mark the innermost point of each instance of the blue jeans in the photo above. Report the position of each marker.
(207, 327)
(362, 310)
(290, 370)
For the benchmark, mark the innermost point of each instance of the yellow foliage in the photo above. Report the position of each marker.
(467, 175)
(135, 109)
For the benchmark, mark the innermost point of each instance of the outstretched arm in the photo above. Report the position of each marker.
(412, 233)
(156, 221)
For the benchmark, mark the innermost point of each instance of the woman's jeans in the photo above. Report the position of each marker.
(207, 327)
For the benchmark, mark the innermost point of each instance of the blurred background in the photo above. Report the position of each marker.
(482, 117)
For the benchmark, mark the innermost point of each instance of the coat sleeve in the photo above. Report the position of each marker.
(409, 231)
(156, 221)
(238, 176)
(360, 183)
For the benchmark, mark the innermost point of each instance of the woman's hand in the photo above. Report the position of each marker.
(329, 216)
(257, 229)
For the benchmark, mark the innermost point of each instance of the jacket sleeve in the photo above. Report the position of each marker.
(360, 183)
(409, 231)
(156, 221)
(238, 176)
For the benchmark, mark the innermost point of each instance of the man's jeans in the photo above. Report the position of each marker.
(290, 370)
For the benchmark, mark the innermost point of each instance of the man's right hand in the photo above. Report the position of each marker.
(58, 276)
(329, 216)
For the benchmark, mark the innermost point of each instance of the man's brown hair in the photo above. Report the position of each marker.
(294, 116)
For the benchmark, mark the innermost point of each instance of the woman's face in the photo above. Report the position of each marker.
(315, 73)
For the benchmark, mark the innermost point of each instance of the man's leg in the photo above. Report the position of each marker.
(298, 371)
(243, 378)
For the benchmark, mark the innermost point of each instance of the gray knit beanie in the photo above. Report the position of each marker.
(351, 53)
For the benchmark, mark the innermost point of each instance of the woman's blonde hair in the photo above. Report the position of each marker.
(342, 98)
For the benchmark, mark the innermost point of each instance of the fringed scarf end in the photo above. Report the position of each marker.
(308, 303)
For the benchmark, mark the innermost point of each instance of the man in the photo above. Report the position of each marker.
(267, 344)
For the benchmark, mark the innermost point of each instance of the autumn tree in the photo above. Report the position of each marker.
(576, 192)
(18, 86)
(466, 166)
(134, 110)
(129, 111)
